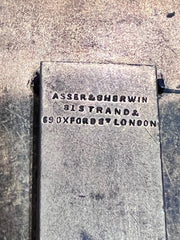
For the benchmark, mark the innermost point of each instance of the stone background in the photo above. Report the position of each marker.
(131, 31)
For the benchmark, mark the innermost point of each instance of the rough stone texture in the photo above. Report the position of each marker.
(117, 31)
(102, 178)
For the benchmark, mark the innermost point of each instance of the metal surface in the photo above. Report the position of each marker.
(100, 153)
(98, 31)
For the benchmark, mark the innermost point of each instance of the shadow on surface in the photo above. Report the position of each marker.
(36, 156)
(170, 143)
(14, 165)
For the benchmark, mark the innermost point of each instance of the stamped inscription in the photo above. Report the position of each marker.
(116, 114)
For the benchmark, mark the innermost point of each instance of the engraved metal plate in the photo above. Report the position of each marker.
(100, 153)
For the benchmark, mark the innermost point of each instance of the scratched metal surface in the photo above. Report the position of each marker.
(98, 31)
